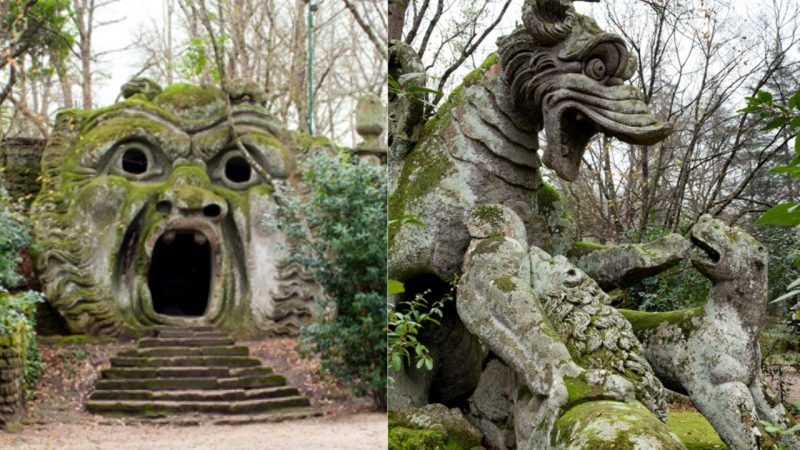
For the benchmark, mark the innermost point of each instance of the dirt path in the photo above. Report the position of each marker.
(360, 431)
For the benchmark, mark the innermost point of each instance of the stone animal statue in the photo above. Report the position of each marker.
(554, 326)
(712, 352)
(149, 214)
(562, 74)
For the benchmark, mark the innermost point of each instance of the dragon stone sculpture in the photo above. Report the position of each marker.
(149, 214)
(472, 175)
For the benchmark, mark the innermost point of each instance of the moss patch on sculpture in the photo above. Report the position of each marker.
(583, 248)
(686, 320)
(423, 171)
(505, 284)
(477, 74)
(610, 425)
(579, 391)
(186, 96)
(421, 429)
(491, 215)
(694, 430)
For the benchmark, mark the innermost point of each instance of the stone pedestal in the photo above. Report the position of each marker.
(370, 125)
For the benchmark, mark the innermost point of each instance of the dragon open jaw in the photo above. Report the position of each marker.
(575, 112)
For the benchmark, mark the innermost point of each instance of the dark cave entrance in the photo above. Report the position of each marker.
(180, 275)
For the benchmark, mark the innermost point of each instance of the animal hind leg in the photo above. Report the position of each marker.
(730, 409)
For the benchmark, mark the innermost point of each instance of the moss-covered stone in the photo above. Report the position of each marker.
(579, 391)
(610, 425)
(583, 248)
(477, 74)
(490, 214)
(546, 198)
(98, 219)
(423, 170)
(187, 96)
(433, 427)
(488, 245)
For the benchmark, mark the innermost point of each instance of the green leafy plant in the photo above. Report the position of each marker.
(338, 232)
(406, 319)
(780, 115)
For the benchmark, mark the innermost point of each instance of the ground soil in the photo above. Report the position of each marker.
(785, 381)
(55, 417)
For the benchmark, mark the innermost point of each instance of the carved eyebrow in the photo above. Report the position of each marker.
(265, 148)
(103, 134)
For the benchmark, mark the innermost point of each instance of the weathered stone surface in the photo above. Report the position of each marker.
(540, 315)
(370, 122)
(151, 215)
(712, 353)
(432, 426)
(624, 265)
(596, 334)
(410, 388)
(491, 405)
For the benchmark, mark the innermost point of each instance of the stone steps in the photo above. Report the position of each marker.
(189, 361)
(227, 350)
(192, 370)
(165, 407)
(197, 395)
(186, 342)
(183, 371)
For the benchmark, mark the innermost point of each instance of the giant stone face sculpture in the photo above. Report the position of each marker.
(149, 214)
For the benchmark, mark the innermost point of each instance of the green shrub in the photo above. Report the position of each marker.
(338, 232)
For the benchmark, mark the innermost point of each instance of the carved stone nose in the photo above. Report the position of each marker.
(189, 194)
(189, 201)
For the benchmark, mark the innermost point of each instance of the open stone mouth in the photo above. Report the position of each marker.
(706, 254)
(576, 130)
(181, 272)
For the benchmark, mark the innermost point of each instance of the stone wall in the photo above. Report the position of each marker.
(11, 373)
(19, 157)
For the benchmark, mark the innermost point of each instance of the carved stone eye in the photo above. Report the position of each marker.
(604, 61)
(135, 161)
(595, 68)
(238, 170)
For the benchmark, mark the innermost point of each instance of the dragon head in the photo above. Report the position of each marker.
(569, 74)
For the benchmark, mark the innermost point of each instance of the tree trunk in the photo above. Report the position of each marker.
(397, 18)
